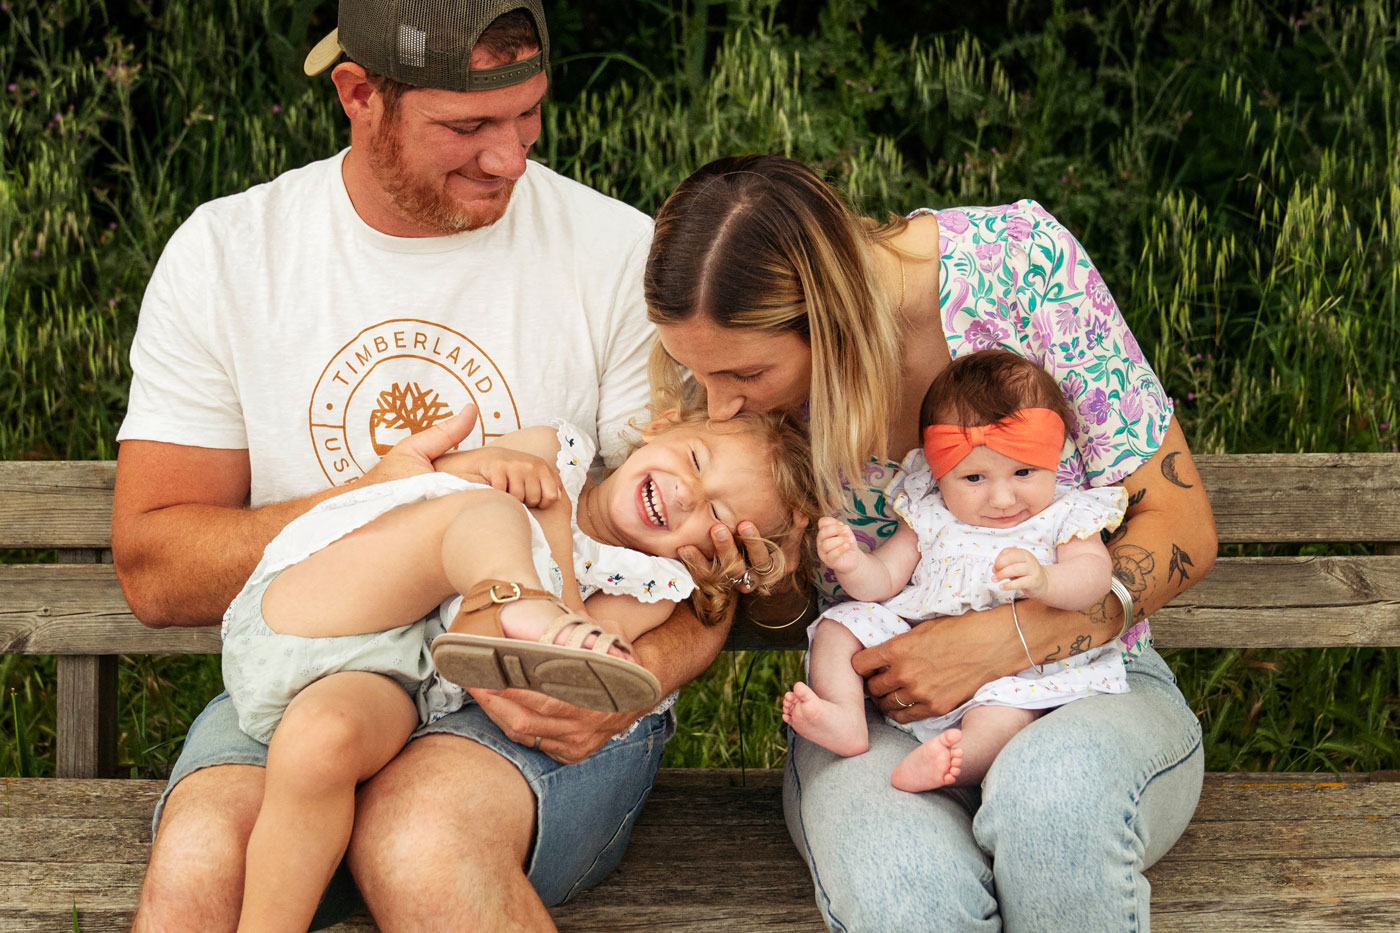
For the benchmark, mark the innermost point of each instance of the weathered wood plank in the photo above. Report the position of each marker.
(1266, 602)
(87, 716)
(1299, 498)
(60, 503)
(87, 704)
(1256, 497)
(709, 855)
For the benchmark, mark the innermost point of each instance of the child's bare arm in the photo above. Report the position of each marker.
(874, 576)
(1077, 580)
(520, 463)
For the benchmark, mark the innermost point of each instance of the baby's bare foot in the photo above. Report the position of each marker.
(934, 764)
(830, 725)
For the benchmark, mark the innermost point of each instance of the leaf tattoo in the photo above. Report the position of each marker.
(1179, 562)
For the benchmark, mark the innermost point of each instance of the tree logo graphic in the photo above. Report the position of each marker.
(398, 378)
(404, 410)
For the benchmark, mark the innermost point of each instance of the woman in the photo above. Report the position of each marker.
(774, 295)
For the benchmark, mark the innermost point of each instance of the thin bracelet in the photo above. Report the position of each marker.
(1024, 647)
(1117, 588)
(806, 604)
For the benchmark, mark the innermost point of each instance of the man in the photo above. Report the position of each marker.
(336, 325)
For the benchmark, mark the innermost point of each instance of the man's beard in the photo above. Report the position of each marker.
(418, 200)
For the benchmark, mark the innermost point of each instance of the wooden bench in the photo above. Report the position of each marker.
(1264, 852)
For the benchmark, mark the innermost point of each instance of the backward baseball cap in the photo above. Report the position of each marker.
(427, 43)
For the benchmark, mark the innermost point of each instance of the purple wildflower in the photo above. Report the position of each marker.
(953, 221)
(1042, 334)
(1131, 406)
(1095, 407)
(1018, 228)
(984, 335)
(1098, 292)
(1131, 348)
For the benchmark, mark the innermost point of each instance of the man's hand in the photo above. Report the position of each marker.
(1018, 569)
(414, 455)
(568, 734)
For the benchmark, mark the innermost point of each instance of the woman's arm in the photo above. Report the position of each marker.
(1077, 579)
(1166, 543)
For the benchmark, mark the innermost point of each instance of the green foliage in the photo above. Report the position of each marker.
(1233, 167)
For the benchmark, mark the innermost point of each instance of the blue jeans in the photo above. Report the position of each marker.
(1072, 812)
(584, 813)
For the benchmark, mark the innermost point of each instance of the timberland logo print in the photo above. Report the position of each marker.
(398, 378)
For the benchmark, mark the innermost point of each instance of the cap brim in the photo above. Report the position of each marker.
(323, 54)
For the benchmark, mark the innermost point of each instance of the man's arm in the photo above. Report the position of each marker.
(1166, 544)
(184, 540)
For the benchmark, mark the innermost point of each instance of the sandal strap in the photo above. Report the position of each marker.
(501, 592)
(582, 631)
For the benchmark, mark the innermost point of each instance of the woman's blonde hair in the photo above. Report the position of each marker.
(762, 242)
(790, 461)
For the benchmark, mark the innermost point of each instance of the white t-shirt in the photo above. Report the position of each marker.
(277, 321)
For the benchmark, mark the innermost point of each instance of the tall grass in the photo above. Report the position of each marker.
(1233, 167)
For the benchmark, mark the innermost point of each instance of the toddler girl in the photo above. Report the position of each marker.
(983, 522)
(326, 651)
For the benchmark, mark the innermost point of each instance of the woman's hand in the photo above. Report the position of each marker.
(566, 733)
(937, 665)
(751, 565)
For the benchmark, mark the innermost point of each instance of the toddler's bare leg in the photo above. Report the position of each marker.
(831, 712)
(336, 733)
(490, 540)
(985, 732)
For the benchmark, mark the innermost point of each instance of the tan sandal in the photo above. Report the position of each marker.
(475, 652)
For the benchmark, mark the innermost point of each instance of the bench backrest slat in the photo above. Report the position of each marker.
(1258, 498)
(1264, 602)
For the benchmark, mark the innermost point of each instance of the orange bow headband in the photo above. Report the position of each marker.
(1033, 435)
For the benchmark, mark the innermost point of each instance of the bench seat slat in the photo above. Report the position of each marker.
(1237, 867)
(1271, 498)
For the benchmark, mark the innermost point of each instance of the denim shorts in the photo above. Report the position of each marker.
(584, 812)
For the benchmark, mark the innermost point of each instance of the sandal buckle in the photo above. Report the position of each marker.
(501, 600)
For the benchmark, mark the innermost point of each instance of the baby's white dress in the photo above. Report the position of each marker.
(954, 575)
(263, 670)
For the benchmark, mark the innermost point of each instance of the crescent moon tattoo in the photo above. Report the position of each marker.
(1169, 470)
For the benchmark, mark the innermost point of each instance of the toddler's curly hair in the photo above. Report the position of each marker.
(790, 459)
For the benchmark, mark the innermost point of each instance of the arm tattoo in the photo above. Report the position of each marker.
(1111, 536)
(1179, 562)
(1052, 656)
(1133, 565)
(1081, 643)
(1099, 614)
(1169, 470)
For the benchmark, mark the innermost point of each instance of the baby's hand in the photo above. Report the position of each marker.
(836, 545)
(1019, 570)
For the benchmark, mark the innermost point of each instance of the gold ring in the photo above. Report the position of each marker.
(902, 704)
